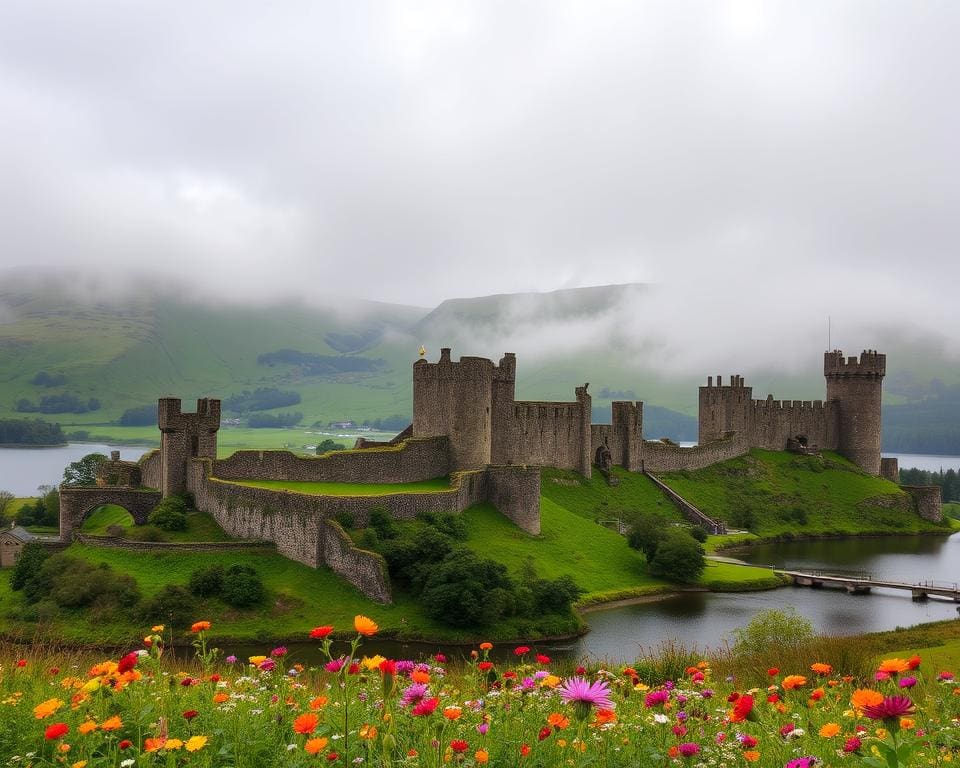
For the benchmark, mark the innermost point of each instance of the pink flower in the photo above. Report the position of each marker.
(334, 666)
(656, 698)
(425, 707)
(689, 748)
(576, 690)
(279, 651)
(890, 708)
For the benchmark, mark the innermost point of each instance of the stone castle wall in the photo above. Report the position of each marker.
(624, 436)
(856, 386)
(890, 470)
(543, 434)
(150, 469)
(412, 460)
(663, 457)
(76, 502)
(928, 501)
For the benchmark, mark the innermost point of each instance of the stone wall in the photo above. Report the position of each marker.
(928, 501)
(890, 469)
(515, 492)
(366, 570)
(543, 434)
(624, 437)
(150, 469)
(412, 460)
(663, 457)
(692, 513)
(78, 502)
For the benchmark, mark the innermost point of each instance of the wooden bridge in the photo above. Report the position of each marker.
(861, 582)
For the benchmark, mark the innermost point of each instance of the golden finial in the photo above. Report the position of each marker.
(422, 351)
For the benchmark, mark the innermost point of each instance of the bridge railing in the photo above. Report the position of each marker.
(837, 573)
(952, 586)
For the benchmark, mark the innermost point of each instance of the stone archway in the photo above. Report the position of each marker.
(78, 502)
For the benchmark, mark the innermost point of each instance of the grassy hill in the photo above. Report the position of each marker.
(781, 494)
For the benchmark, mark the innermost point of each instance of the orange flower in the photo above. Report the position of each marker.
(829, 730)
(306, 723)
(907, 723)
(316, 746)
(751, 755)
(364, 626)
(318, 703)
(864, 697)
(419, 676)
(86, 727)
(893, 666)
(219, 698)
(452, 713)
(557, 720)
(368, 731)
(793, 681)
(821, 669)
(152, 745)
(47, 708)
(200, 626)
(486, 646)
(605, 716)
(112, 724)
(481, 756)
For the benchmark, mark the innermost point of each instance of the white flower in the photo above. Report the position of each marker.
(291, 747)
(662, 719)
(127, 763)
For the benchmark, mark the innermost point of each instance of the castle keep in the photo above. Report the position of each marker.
(468, 425)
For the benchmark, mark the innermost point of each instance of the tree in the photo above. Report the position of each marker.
(466, 590)
(679, 557)
(27, 567)
(5, 498)
(83, 471)
(646, 533)
(329, 445)
(242, 586)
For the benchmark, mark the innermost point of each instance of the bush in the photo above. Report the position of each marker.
(173, 605)
(345, 519)
(242, 586)
(556, 595)
(385, 526)
(207, 582)
(32, 557)
(646, 533)
(144, 533)
(699, 533)
(679, 557)
(170, 514)
(785, 630)
(468, 591)
(74, 583)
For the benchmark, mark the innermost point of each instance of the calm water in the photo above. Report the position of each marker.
(23, 469)
(928, 463)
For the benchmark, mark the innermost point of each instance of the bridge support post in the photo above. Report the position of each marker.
(918, 595)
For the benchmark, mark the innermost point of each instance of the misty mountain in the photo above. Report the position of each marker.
(125, 345)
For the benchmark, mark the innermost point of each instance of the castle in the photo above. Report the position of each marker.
(468, 425)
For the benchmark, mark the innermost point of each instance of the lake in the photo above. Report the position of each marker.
(23, 469)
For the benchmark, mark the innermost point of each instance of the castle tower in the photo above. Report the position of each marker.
(503, 399)
(455, 399)
(856, 387)
(724, 408)
(185, 436)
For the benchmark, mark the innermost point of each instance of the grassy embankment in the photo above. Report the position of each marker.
(200, 525)
(781, 495)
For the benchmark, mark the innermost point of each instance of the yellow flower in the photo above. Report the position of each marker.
(195, 743)
(157, 628)
(172, 744)
(91, 685)
(881, 733)
(364, 626)
(550, 681)
(372, 662)
(79, 764)
(47, 708)
(87, 727)
(829, 730)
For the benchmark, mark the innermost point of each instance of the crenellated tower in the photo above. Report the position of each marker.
(724, 408)
(855, 385)
(185, 436)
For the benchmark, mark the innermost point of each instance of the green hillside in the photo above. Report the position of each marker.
(781, 494)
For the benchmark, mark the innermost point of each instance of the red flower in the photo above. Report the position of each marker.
(214, 678)
(485, 666)
(353, 669)
(581, 670)
(773, 698)
(333, 757)
(742, 709)
(125, 744)
(426, 707)
(56, 730)
(318, 633)
(913, 662)
(127, 663)
(747, 741)
(440, 658)
(541, 659)
(521, 650)
(733, 697)
(787, 729)
(21, 662)
(852, 745)
(544, 732)
(773, 671)
(388, 667)
(54, 670)
(458, 745)
(187, 682)
(510, 675)
(524, 750)
(190, 714)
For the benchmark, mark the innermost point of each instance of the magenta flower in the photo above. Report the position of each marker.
(945, 676)
(689, 748)
(597, 694)
(908, 682)
(802, 762)
(413, 694)
(280, 650)
(656, 698)
(892, 707)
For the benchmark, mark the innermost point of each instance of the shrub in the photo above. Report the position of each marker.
(468, 591)
(74, 583)
(699, 533)
(207, 582)
(144, 533)
(381, 522)
(555, 595)
(173, 605)
(28, 565)
(785, 631)
(170, 514)
(345, 519)
(646, 533)
(242, 586)
(679, 557)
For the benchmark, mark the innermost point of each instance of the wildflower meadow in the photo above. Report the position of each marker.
(147, 709)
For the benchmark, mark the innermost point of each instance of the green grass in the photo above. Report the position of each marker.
(13, 506)
(952, 509)
(348, 489)
(200, 525)
(595, 500)
(776, 488)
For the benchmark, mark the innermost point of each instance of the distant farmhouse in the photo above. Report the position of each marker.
(468, 424)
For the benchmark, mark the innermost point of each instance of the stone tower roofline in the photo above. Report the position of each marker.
(171, 418)
(505, 371)
(870, 365)
(735, 381)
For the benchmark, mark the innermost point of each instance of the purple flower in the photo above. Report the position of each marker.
(802, 762)
(528, 684)
(908, 682)
(267, 665)
(334, 666)
(681, 716)
(279, 651)
(707, 693)
(656, 698)
(483, 728)
(892, 707)
(413, 694)
(689, 748)
(576, 690)
(231, 659)
(405, 666)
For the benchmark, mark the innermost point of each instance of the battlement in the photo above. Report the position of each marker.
(736, 382)
(870, 365)
(465, 367)
(170, 417)
(765, 406)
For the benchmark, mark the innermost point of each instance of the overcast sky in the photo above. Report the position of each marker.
(795, 157)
